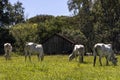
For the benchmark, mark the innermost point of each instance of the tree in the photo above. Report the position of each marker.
(5, 36)
(82, 11)
(24, 33)
(10, 14)
(18, 11)
(3, 12)
(107, 21)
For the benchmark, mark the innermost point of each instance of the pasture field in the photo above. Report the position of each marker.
(56, 67)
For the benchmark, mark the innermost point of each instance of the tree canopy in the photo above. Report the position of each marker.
(10, 14)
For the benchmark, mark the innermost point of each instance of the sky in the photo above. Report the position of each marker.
(47, 7)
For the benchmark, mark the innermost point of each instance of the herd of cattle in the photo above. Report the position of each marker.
(99, 49)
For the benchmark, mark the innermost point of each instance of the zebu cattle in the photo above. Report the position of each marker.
(78, 50)
(31, 47)
(104, 50)
(8, 50)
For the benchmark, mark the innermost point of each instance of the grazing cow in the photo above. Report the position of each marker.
(104, 50)
(31, 47)
(78, 50)
(8, 50)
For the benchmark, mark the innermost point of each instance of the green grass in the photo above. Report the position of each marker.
(56, 68)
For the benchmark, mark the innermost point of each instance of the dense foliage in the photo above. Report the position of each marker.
(98, 20)
(24, 33)
(10, 14)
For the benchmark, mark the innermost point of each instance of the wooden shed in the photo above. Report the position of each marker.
(58, 44)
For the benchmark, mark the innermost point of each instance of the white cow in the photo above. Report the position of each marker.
(31, 47)
(78, 50)
(8, 50)
(104, 50)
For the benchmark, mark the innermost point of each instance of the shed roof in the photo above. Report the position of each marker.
(59, 35)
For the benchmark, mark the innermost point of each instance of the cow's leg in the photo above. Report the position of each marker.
(107, 61)
(8, 55)
(94, 61)
(100, 60)
(75, 53)
(81, 58)
(5, 56)
(42, 57)
(29, 56)
(95, 56)
(26, 54)
(39, 56)
(25, 57)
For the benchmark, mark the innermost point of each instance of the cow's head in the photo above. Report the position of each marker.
(71, 57)
(114, 60)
